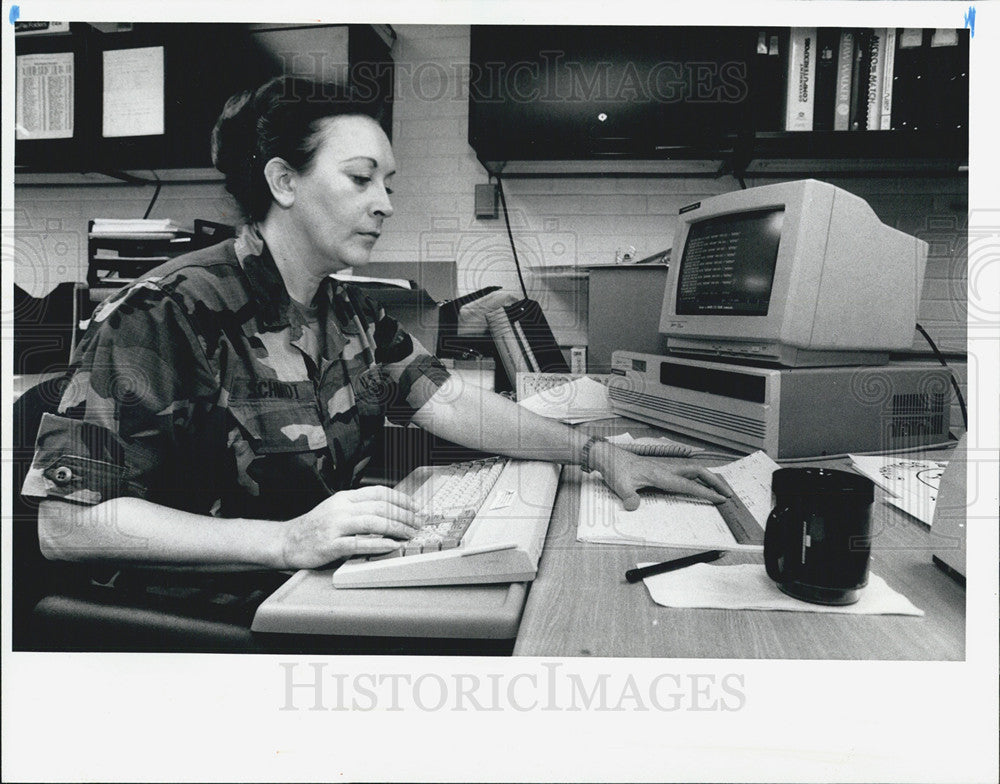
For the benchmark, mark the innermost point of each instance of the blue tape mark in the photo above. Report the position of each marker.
(15, 13)
(970, 20)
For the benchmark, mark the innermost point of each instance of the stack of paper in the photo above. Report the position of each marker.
(350, 277)
(136, 228)
(580, 400)
(132, 225)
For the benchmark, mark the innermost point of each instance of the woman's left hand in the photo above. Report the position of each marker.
(626, 474)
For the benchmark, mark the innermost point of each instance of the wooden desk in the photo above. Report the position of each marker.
(581, 605)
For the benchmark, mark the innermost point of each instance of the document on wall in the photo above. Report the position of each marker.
(44, 102)
(670, 520)
(133, 92)
(912, 484)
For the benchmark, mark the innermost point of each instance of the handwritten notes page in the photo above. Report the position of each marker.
(750, 479)
(133, 92)
(913, 484)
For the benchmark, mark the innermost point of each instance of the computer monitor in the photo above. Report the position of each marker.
(796, 274)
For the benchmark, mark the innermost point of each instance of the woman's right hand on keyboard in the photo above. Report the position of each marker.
(366, 521)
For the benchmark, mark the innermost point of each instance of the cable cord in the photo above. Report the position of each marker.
(156, 193)
(681, 450)
(716, 455)
(133, 180)
(951, 374)
(908, 450)
(843, 455)
(510, 236)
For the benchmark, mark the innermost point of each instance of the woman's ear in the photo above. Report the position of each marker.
(280, 179)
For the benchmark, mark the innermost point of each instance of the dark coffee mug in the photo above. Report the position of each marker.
(817, 541)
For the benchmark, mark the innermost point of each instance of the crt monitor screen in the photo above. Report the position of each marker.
(795, 273)
(728, 264)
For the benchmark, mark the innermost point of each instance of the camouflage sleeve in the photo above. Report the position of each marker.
(119, 423)
(415, 373)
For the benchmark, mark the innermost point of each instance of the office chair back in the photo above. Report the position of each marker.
(44, 328)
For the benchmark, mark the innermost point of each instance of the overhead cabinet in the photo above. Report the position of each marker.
(733, 94)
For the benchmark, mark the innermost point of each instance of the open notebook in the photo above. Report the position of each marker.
(668, 520)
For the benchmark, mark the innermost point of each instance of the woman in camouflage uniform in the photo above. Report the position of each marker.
(221, 409)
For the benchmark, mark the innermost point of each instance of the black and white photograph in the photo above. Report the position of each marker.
(492, 392)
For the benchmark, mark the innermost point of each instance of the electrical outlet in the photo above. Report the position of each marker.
(486, 201)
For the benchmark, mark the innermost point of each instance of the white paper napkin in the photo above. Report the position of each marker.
(747, 587)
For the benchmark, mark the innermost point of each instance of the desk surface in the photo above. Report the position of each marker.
(581, 605)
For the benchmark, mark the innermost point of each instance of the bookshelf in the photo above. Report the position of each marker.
(875, 153)
(915, 89)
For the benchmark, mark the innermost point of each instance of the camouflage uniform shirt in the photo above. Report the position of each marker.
(201, 387)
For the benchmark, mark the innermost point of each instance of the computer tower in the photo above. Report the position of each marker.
(786, 412)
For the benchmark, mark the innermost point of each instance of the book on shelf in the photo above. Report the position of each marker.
(947, 83)
(845, 69)
(875, 53)
(861, 79)
(827, 46)
(860, 73)
(770, 74)
(888, 66)
(909, 75)
(801, 83)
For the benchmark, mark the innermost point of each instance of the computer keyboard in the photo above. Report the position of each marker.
(485, 522)
(447, 504)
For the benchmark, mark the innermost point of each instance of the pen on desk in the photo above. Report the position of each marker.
(635, 575)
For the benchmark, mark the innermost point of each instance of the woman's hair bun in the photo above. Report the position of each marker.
(234, 137)
(234, 148)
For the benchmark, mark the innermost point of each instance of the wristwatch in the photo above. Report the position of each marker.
(585, 453)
